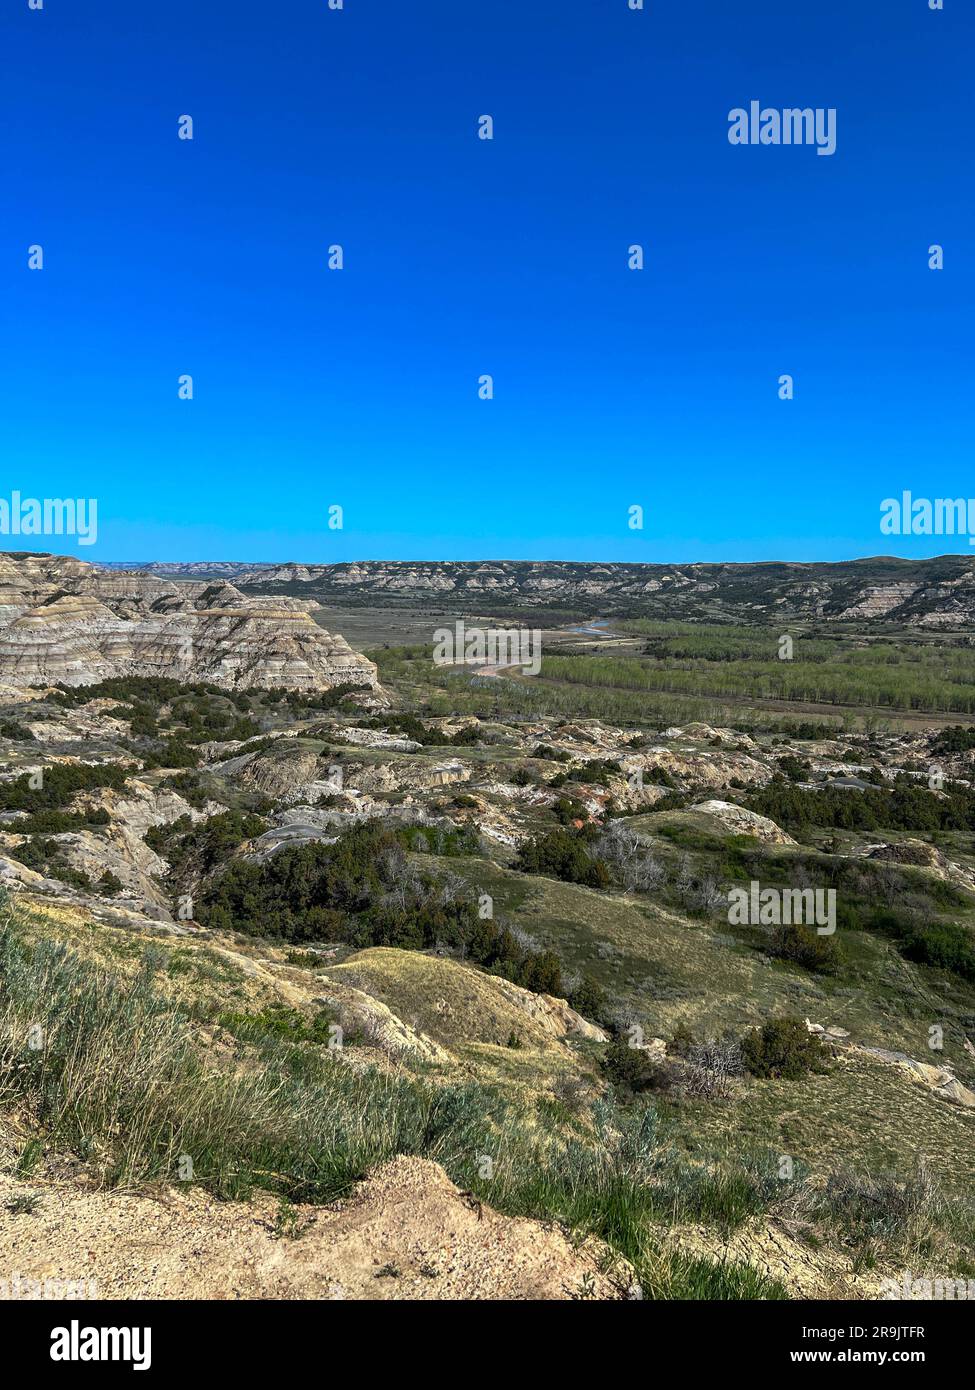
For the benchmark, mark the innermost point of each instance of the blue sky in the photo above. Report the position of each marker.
(358, 388)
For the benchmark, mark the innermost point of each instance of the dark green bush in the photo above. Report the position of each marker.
(806, 947)
(109, 884)
(590, 999)
(552, 755)
(563, 855)
(363, 890)
(784, 1048)
(202, 845)
(13, 729)
(938, 943)
(59, 784)
(632, 1070)
(904, 805)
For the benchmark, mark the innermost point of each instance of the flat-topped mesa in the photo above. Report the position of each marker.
(65, 622)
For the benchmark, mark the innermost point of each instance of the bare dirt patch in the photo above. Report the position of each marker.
(406, 1233)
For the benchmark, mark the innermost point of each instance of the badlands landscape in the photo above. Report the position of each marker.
(347, 974)
(936, 593)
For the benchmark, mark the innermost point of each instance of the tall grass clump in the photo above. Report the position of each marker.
(109, 1069)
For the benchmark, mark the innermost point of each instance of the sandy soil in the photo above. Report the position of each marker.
(406, 1233)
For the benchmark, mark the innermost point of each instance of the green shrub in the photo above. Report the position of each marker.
(784, 1048)
(440, 839)
(903, 805)
(632, 1070)
(958, 738)
(34, 854)
(109, 884)
(409, 726)
(552, 755)
(59, 783)
(806, 947)
(683, 1043)
(191, 787)
(660, 777)
(57, 822)
(590, 999)
(13, 729)
(363, 891)
(565, 809)
(796, 769)
(563, 855)
(947, 945)
(202, 845)
(278, 1021)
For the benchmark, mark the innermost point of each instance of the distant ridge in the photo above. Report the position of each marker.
(936, 593)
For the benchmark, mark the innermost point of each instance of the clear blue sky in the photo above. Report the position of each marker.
(463, 257)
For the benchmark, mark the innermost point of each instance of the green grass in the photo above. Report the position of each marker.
(664, 968)
(279, 1022)
(686, 1277)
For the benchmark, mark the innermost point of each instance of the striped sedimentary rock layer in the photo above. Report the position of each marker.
(62, 620)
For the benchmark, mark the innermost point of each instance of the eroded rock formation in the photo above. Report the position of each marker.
(64, 621)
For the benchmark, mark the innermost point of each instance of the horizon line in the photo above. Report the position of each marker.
(495, 560)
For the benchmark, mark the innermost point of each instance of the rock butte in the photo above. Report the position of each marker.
(65, 621)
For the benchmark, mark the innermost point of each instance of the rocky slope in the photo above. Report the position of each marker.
(64, 621)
